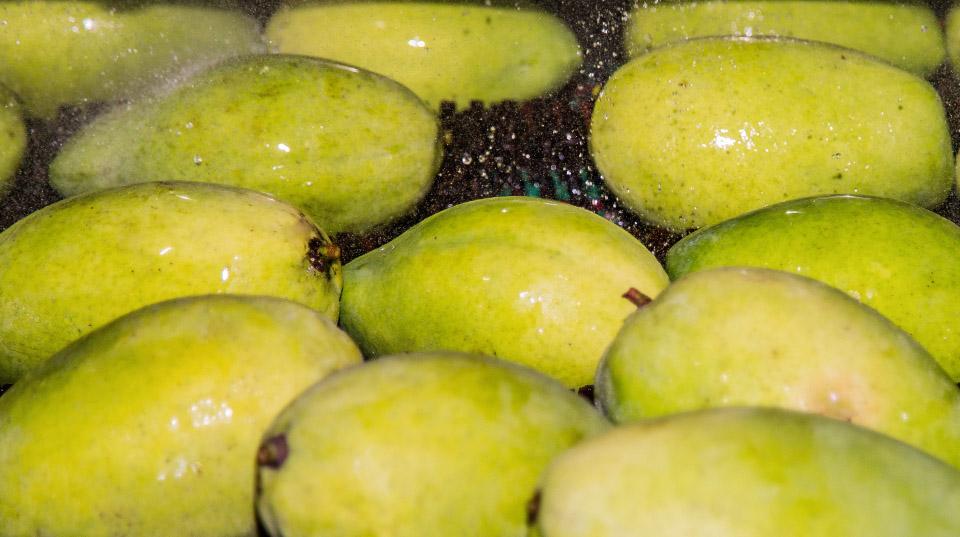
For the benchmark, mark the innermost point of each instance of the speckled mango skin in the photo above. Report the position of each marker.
(80, 263)
(898, 259)
(524, 279)
(904, 34)
(747, 473)
(759, 337)
(74, 52)
(13, 139)
(349, 148)
(456, 52)
(417, 445)
(150, 425)
(698, 132)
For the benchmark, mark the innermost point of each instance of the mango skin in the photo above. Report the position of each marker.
(442, 51)
(758, 337)
(13, 139)
(416, 445)
(524, 279)
(698, 132)
(150, 425)
(898, 259)
(73, 52)
(952, 35)
(349, 148)
(75, 265)
(904, 34)
(747, 473)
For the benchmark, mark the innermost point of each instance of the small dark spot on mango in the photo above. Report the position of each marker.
(587, 392)
(533, 508)
(273, 452)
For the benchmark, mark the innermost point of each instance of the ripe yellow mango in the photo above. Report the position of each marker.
(150, 425)
(80, 263)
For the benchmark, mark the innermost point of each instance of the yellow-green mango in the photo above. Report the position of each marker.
(897, 258)
(350, 148)
(13, 139)
(747, 473)
(952, 31)
(417, 445)
(58, 52)
(759, 337)
(700, 131)
(524, 279)
(150, 425)
(80, 263)
(906, 34)
(443, 51)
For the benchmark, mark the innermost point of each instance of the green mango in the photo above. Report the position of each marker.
(747, 473)
(700, 131)
(13, 139)
(349, 148)
(952, 32)
(80, 263)
(443, 51)
(59, 52)
(759, 337)
(417, 445)
(150, 425)
(906, 34)
(856, 244)
(524, 279)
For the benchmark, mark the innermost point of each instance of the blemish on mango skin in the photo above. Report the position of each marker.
(273, 452)
(322, 255)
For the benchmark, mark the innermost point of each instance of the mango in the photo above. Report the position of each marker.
(417, 445)
(349, 148)
(443, 51)
(528, 280)
(77, 264)
(75, 52)
(698, 132)
(897, 258)
(13, 139)
(759, 337)
(150, 425)
(906, 34)
(747, 473)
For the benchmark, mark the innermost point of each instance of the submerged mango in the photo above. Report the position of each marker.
(456, 52)
(906, 34)
(150, 425)
(701, 131)
(897, 258)
(80, 263)
(349, 148)
(523, 279)
(71, 52)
